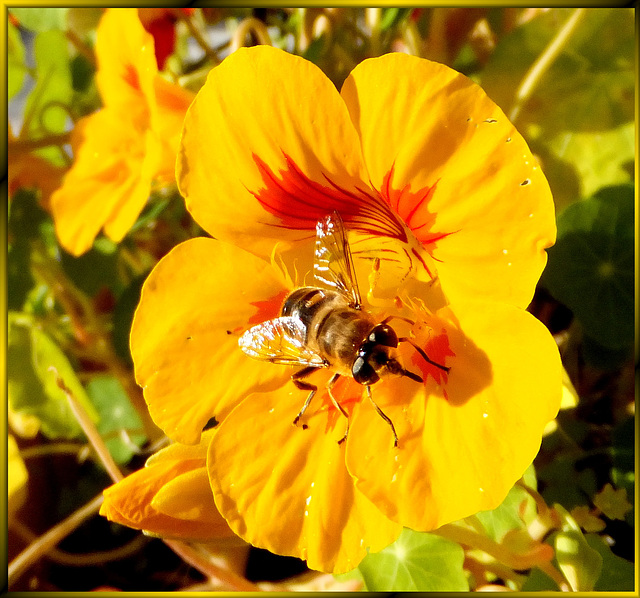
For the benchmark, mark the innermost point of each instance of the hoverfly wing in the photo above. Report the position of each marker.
(281, 340)
(333, 263)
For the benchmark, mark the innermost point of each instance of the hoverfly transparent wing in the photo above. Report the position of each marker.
(281, 340)
(333, 263)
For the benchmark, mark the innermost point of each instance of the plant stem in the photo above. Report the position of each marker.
(227, 577)
(90, 430)
(544, 61)
(83, 560)
(23, 146)
(473, 539)
(48, 540)
(197, 35)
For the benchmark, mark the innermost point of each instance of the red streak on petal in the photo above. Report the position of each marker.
(437, 349)
(413, 208)
(299, 202)
(131, 76)
(347, 392)
(269, 308)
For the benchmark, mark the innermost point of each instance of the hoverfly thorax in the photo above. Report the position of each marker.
(326, 326)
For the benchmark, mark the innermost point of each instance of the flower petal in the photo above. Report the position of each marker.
(464, 442)
(131, 502)
(188, 497)
(126, 63)
(268, 149)
(184, 337)
(286, 488)
(108, 183)
(446, 157)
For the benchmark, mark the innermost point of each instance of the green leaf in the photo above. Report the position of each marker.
(416, 562)
(16, 68)
(591, 266)
(41, 18)
(617, 573)
(599, 158)
(32, 385)
(506, 517)
(46, 106)
(392, 16)
(580, 564)
(589, 86)
(580, 117)
(118, 419)
(539, 582)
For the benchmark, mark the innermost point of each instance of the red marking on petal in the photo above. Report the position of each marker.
(300, 202)
(437, 349)
(347, 393)
(130, 76)
(413, 208)
(268, 309)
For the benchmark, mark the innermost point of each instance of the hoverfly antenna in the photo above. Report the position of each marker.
(423, 354)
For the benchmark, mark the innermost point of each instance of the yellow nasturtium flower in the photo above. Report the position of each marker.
(125, 147)
(430, 177)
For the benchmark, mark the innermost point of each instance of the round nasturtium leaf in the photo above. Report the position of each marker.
(591, 266)
(416, 562)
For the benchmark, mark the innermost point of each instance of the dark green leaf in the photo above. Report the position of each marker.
(32, 385)
(95, 269)
(539, 582)
(16, 68)
(617, 573)
(118, 419)
(41, 18)
(416, 562)
(81, 73)
(123, 318)
(591, 267)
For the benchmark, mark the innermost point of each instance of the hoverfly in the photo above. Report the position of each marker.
(325, 326)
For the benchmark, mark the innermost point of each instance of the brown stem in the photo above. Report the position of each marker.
(56, 534)
(20, 146)
(195, 32)
(228, 578)
(90, 430)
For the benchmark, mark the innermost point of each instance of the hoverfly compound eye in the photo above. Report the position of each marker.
(384, 335)
(363, 372)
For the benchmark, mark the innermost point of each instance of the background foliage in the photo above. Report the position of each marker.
(564, 76)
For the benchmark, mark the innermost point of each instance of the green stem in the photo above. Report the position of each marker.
(544, 61)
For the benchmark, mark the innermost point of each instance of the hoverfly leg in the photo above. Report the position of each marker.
(304, 386)
(420, 350)
(337, 405)
(383, 416)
